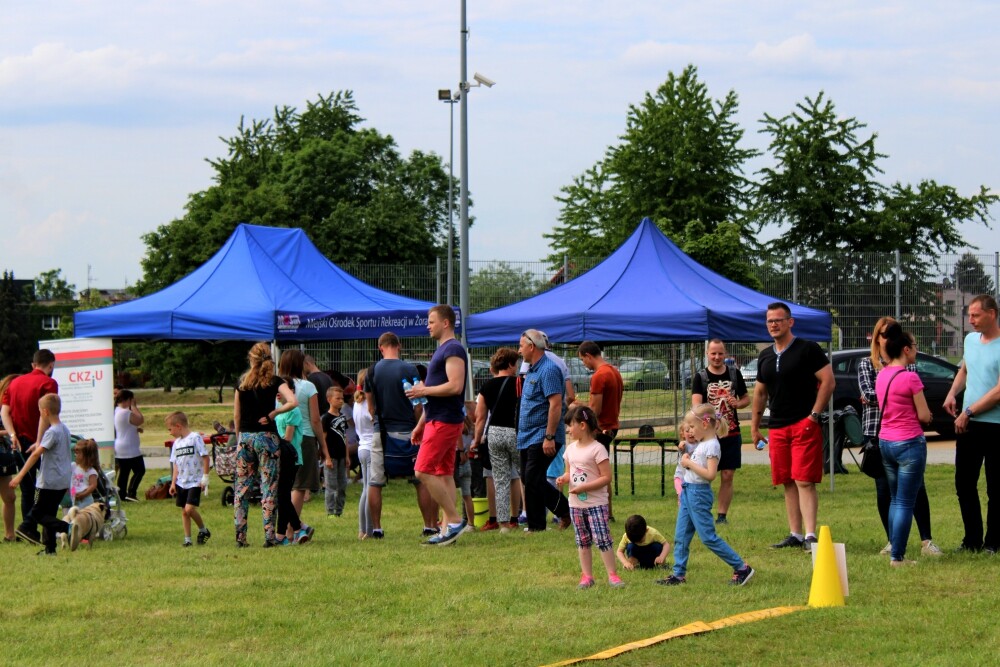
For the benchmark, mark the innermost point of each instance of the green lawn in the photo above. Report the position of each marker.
(492, 599)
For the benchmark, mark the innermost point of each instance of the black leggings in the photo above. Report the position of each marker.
(136, 467)
(287, 468)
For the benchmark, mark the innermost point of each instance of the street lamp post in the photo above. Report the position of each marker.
(445, 96)
(463, 271)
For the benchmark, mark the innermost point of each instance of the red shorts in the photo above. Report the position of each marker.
(436, 455)
(796, 452)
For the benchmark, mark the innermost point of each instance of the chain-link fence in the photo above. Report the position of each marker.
(928, 296)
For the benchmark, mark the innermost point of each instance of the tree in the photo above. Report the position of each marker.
(970, 275)
(17, 335)
(822, 194)
(678, 162)
(500, 284)
(50, 286)
(346, 186)
(90, 300)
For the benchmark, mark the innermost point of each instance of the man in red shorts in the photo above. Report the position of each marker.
(797, 378)
(439, 431)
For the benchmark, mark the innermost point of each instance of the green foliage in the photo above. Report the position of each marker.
(50, 286)
(823, 194)
(17, 334)
(970, 275)
(90, 300)
(346, 186)
(500, 284)
(678, 162)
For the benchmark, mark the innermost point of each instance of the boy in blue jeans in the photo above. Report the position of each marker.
(54, 476)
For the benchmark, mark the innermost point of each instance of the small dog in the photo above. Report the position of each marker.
(85, 524)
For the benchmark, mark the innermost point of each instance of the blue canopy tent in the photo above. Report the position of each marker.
(647, 290)
(265, 283)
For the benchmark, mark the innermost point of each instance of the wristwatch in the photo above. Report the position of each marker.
(814, 416)
(550, 436)
(968, 413)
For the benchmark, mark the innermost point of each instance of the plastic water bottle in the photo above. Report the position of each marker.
(407, 386)
(423, 399)
(761, 444)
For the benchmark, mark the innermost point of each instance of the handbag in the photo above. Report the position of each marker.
(11, 459)
(871, 455)
(489, 414)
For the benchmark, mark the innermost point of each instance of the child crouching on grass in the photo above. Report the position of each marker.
(695, 512)
(190, 475)
(642, 546)
(588, 473)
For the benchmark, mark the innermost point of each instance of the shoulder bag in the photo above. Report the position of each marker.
(871, 455)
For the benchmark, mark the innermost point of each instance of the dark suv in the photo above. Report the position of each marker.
(936, 374)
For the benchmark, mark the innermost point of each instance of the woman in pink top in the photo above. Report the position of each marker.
(900, 394)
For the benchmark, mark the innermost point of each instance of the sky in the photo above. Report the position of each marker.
(109, 111)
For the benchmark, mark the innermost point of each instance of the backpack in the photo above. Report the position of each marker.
(733, 375)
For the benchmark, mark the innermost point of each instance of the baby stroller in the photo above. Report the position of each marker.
(224, 462)
(115, 527)
(107, 493)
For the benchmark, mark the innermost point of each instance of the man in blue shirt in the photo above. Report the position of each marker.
(540, 432)
(978, 425)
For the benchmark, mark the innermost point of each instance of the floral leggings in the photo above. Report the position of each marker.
(256, 452)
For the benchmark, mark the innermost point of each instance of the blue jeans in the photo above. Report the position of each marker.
(695, 515)
(904, 462)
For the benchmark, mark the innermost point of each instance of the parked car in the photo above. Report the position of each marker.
(937, 375)
(686, 374)
(480, 374)
(642, 375)
(578, 373)
(749, 372)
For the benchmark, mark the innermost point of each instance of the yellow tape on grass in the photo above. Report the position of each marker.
(694, 628)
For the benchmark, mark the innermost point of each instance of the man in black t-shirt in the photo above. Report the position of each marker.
(724, 388)
(394, 416)
(797, 378)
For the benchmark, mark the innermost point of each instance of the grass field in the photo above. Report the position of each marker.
(492, 599)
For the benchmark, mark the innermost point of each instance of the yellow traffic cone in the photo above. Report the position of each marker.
(826, 589)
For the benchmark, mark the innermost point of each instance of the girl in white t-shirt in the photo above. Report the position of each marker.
(366, 434)
(695, 511)
(84, 481)
(588, 474)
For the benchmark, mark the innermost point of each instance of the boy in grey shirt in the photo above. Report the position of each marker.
(54, 477)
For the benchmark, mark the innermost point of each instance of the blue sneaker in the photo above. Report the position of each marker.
(448, 537)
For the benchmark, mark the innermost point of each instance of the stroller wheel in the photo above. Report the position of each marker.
(227, 496)
(124, 532)
(107, 533)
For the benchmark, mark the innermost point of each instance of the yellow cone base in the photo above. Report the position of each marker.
(826, 589)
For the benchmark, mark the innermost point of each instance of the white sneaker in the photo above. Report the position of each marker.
(930, 549)
(469, 529)
(886, 550)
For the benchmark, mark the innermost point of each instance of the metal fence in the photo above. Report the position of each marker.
(929, 296)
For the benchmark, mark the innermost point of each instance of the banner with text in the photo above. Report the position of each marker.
(327, 326)
(85, 373)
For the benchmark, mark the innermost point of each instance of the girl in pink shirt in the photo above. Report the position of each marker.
(588, 474)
